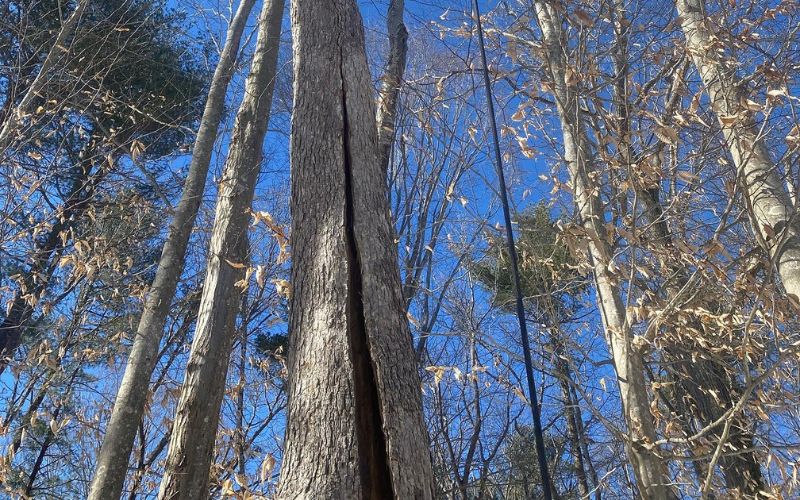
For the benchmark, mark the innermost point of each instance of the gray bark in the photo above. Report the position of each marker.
(769, 204)
(572, 415)
(355, 425)
(112, 461)
(392, 79)
(649, 471)
(194, 429)
(25, 106)
(694, 377)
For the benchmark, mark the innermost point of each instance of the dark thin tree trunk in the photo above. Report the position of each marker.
(43, 261)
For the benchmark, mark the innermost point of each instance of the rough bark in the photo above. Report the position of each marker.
(112, 461)
(392, 79)
(25, 106)
(769, 204)
(355, 426)
(194, 429)
(649, 471)
(696, 377)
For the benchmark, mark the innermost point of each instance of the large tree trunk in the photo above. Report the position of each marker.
(355, 426)
(648, 468)
(25, 106)
(112, 461)
(769, 204)
(194, 429)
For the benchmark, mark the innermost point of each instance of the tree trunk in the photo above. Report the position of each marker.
(392, 80)
(112, 461)
(25, 106)
(692, 375)
(194, 430)
(89, 171)
(648, 468)
(769, 204)
(572, 412)
(355, 425)
(695, 377)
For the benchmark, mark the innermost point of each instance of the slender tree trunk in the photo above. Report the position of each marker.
(571, 414)
(769, 204)
(37, 464)
(648, 468)
(696, 377)
(392, 80)
(693, 376)
(25, 106)
(86, 177)
(355, 426)
(194, 430)
(112, 461)
(240, 437)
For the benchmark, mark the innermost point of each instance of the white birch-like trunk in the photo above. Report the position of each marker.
(25, 106)
(769, 203)
(648, 468)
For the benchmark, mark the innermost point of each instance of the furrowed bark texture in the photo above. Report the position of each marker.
(112, 461)
(770, 206)
(194, 429)
(392, 79)
(695, 378)
(355, 425)
(649, 471)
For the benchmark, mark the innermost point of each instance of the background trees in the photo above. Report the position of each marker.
(681, 134)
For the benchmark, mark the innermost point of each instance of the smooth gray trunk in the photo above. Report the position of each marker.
(112, 461)
(649, 470)
(191, 447)
(355, 426)
(769, 204)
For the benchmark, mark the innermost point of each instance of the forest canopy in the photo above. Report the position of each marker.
(399, 249)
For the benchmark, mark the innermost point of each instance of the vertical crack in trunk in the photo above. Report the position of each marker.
(374, 470)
